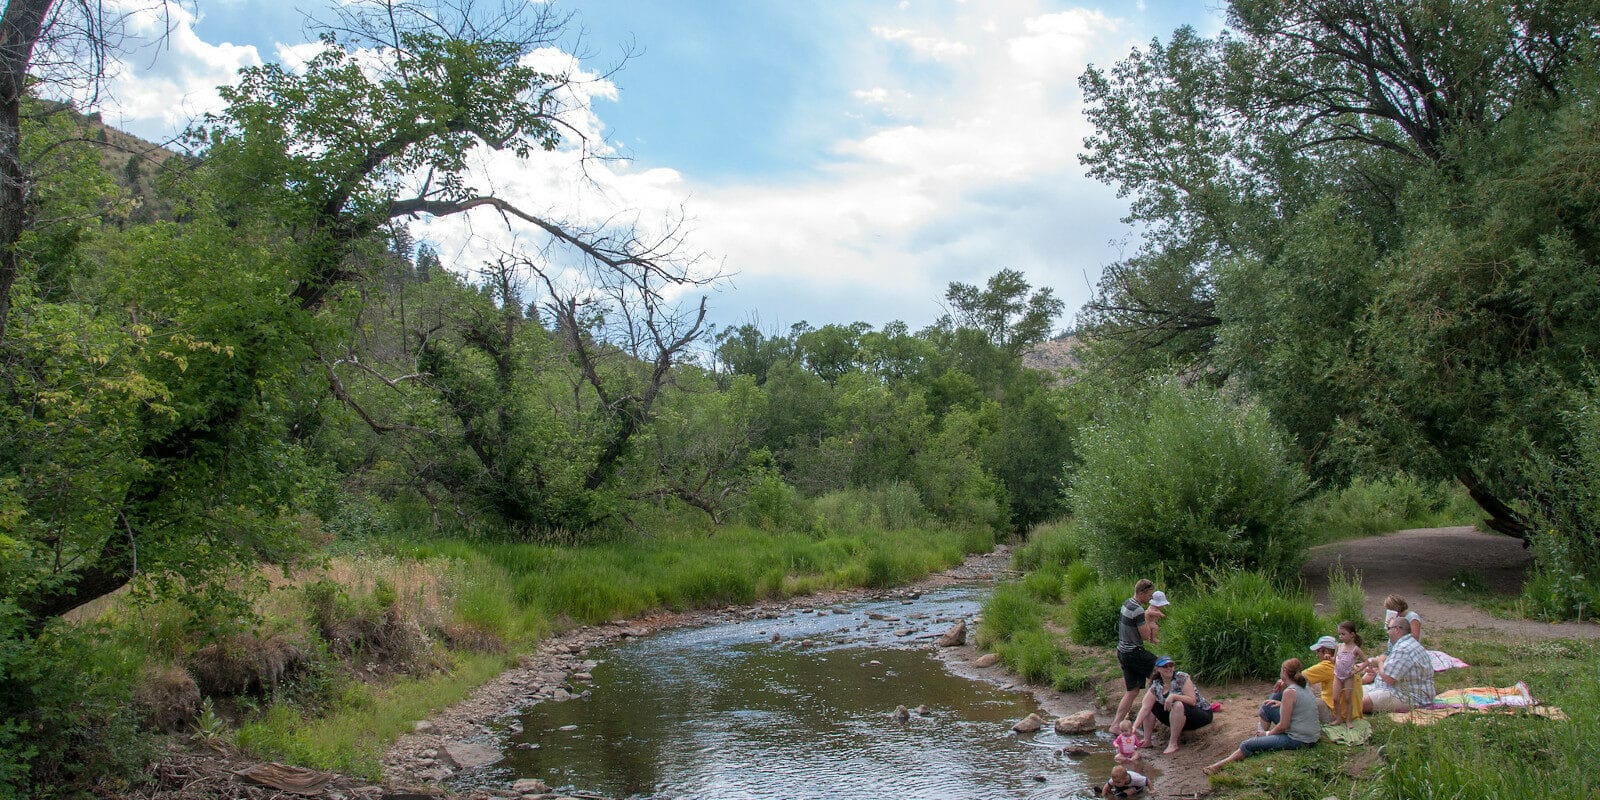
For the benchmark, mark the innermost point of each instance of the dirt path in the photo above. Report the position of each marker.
(1408, 562)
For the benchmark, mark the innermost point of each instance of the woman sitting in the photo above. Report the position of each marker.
(1174, 700)
(1298, 725)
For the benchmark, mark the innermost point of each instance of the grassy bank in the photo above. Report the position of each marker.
(473, 605)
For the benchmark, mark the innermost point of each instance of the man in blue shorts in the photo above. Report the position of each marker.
(1132, 632)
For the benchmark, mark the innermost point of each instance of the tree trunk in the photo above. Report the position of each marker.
(1502, 518)
(20, 28)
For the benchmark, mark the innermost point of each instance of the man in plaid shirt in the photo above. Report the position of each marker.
(1405, 681)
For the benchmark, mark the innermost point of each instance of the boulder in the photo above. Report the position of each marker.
(955, 637)
(1081, 722)
(466, 755)
(987, 660)
(1028, 724)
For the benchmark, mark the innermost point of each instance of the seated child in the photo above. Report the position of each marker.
(1126, 743)
(1125, 783)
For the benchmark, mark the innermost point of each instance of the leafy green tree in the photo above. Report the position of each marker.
(1180, 477)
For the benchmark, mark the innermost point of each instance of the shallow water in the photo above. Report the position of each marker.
(723, 712)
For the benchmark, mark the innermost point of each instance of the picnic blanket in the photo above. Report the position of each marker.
(1358, 733)
(1443, 661)
(1485, 696)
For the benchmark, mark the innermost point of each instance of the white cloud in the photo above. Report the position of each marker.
(930, 47)
(167, 75)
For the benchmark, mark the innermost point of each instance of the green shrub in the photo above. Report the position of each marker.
(1369, 506)
(1182, 477)
(1240, 626)
(1034, 655)
(1078, 575)
(1095, 612)
(1045, 584)
(66, 720)
(1055, 543)
(1012, 608)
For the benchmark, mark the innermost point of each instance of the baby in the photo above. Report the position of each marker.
(1345, 663)
(1125, 783)
(1126, 743)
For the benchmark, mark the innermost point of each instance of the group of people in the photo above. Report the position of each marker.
(1350, 684)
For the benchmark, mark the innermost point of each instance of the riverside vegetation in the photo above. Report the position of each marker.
(274, 475)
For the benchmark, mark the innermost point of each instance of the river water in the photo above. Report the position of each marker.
(723, 711)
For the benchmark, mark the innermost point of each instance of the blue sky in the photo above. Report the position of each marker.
(843, 161)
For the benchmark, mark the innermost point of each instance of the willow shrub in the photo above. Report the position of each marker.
(1182, 478)
(1239, 625)
(1095, 611)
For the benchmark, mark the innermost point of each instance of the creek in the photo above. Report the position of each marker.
(724, 711)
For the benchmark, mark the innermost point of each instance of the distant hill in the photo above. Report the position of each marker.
(135, 163)
(1054, 355)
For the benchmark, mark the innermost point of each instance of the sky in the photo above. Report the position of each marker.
(837, 160)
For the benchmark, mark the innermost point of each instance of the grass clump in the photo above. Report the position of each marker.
(1370, 506)
(1239, 625)
(1095, 611)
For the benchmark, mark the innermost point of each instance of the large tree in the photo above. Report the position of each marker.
(1333, 215)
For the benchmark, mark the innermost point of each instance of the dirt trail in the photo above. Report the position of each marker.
(1408, 562)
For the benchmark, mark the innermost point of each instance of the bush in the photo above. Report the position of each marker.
(1012, 608)
(1049, 544)
(1181, 477)
(1370, 506)
(1045, 584)
(1095, 612)
(1241, 626)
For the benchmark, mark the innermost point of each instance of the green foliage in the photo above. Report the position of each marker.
(1369, 506)
(1055, 543)
(1239, 625)
(1181, 477)
(1010, 610)
(1095, 612)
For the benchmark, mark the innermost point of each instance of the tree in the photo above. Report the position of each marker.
(1300, 176)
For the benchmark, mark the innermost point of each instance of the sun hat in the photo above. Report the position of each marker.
(1159, 599)
(1163, 661)
(1326, 642)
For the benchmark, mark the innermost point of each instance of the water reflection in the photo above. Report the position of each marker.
(723, 712)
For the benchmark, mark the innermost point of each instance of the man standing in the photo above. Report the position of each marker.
(1405, 681)
(1132, 632)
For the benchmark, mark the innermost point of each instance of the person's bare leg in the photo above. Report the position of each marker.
(1146, 721)
(1123, 708)
(1176, 724)
(1234, 756)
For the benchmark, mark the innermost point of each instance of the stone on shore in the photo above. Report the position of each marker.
(467, 755)
(956, 636)
(1081, 722)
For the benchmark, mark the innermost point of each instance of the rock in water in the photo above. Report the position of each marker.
(956, 636)
(1081, 722)
(901, 714)
(1028, 724)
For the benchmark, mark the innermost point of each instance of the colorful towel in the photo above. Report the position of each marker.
(1358, 733)
(1443, 661)
(1428, 716)
(1485, 696)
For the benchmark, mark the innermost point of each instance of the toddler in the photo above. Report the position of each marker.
(1125, 783)
(1126, 743)
(1345, 662)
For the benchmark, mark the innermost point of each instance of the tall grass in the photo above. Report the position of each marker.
(1372, 506)
(1239, 625)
